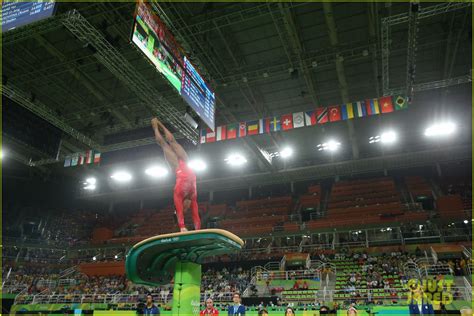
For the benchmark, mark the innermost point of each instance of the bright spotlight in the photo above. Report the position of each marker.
(236, 160)
(440, 129)
(466, 221)
(121, 176)
(94, 258)
(116, 257)
(286, 152)
(90, 187)
(91, 180)
(385, 138)
(388, 137)
(197, 165)
(330, 145)
(156, 172)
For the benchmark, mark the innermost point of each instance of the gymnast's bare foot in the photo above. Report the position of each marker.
(184, 229)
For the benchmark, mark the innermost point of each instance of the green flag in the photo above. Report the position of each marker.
(400, 103)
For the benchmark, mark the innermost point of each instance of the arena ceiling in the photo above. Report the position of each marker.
(80, 72)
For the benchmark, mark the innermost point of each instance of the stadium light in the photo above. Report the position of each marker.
(90, 184)
(157, 172)
(440, 129)
(236, 160)
(388, 137)
(286, 152)
(121, 176)
(330, 145)
(90, 187)
(466, 221)
(91, 180)
(94, 258)
(197, 165)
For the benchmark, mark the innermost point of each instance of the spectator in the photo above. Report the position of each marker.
(236, 308)
(209, 310)
(150, 308)
(289, 311)
(352, 311)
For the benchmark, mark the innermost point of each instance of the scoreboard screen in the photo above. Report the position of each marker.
(156, 42)
(17, 14)
(197, 94)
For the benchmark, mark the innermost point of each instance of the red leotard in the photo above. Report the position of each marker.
(185, 188)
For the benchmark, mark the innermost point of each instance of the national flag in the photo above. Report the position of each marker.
(359, 109)
(242, 129)
(334, 113)
(232, 131)
(81, 159)
(400, 103)
(210, 136)
(386, 105)
(310, 118)
(372, 106)
(252, 128)
(89, 156)
(74, 160)
(274, 124)
(203, 136)
(67, 161)
(347, 111)
(286, 122)
(322, 115)
(261, 126)
(298, 119)
(96, 157)
(221, 133)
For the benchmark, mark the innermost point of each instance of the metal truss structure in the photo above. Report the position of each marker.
(47, 114)
(412, 19)
(117, 64)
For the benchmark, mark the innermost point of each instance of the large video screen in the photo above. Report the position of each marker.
(154, 39)
(16, 14)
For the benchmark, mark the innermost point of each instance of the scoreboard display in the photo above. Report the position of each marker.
(17, 14)
(156, 42)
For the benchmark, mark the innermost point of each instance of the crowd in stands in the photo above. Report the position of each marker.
(215, 283)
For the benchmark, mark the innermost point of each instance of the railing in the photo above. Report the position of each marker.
(287, 275)
(159, 298)
(468, 291)
(273, 265)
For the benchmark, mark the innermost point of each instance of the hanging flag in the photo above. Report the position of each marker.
(74, 160)
(81, 159)
(347, 111)
(232, 131)
(67, 161)
(221, 133)
(286, 122)
(242, 129)
(252, 128)
(334, 113)
(97, 158)
(89, 156)
(359, 109)
(386, 105)
(203, 136)
(322, 115)
(274, 125)
(261, 126)
(372, 106)
(400, 103)
(210, 136)
(310, 118)
(298, 119)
